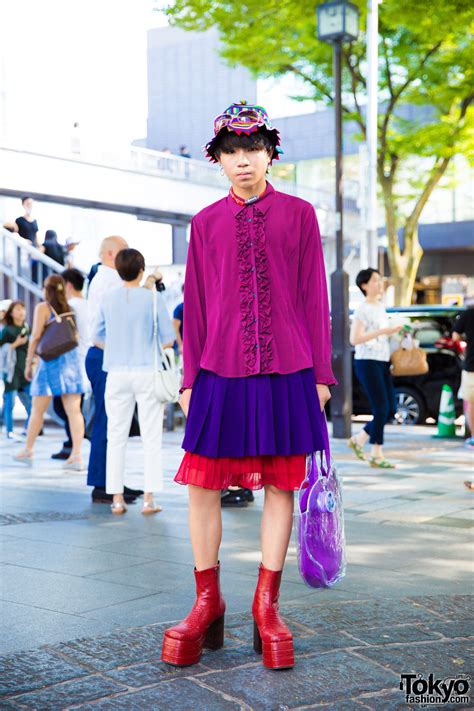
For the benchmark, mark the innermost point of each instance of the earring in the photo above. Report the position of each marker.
(222, 171)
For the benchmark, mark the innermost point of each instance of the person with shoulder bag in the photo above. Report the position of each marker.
(58, 373)
(136, 330)
(370, 335)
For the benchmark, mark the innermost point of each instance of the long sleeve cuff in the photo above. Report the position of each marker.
(323, 374)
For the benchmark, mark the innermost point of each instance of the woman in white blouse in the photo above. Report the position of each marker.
(370, 335)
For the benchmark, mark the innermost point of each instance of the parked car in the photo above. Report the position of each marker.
(418, 396)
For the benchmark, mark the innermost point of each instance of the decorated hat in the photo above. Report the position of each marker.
(243, 118)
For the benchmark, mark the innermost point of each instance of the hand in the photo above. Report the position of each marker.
(168, 345)
(150, 282)
(19, 341)
(184, 400)
(390, 330)
(324, 394)
(29, 373)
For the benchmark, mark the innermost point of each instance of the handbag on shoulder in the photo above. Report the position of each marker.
(409, 359)
(319, 520)
(60, 336)
(166, 378)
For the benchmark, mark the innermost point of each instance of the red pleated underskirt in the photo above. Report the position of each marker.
(249, 472)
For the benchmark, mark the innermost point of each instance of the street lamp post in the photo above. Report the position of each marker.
(338, 22)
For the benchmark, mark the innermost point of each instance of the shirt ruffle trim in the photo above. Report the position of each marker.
(247, 298)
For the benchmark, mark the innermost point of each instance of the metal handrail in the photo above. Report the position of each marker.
(23, 266)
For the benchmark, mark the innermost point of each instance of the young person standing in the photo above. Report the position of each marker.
(370, 334)
(257, 366)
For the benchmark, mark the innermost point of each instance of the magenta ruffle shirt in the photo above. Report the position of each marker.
(255, 297)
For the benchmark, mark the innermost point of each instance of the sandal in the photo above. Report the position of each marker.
(357, 449)
(469, 485)
(150, 508)
(25, 457)
(118, 509)
(381, 463)
(74, 464)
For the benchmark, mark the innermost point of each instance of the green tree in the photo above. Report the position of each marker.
(425, 59)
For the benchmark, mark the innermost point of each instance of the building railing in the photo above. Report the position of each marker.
(23, 269)
(166, 165)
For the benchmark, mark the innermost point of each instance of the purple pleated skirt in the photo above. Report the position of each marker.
(253, 416)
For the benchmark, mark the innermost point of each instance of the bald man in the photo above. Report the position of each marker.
(106, 279)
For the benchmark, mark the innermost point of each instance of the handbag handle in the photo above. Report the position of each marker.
(326, 451)
(156, 341)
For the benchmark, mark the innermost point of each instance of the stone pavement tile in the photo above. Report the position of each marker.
(392, 634)
(59, 558)
(149, 609)
(152, 672)
(452, 522)
(379, 581)
(439, 657)
(61, 696)
(60, 592)
(121, 648)
(349, 705)
(396, 702)
(448, 606)
(240, 627)
(369, 613)
(28, 627)
(230, 658)
(77, 533)
(466, 513)
(154, 548)
(32, 670)
(335, 675)
(163, 576)
(182, 695)
(451, 630)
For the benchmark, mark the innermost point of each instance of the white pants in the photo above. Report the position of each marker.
(122, 391)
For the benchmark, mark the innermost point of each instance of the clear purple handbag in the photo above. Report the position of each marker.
(319, 520)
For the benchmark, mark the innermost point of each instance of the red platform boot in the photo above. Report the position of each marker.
(203, 627)
(270, 634)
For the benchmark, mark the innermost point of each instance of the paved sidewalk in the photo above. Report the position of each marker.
(85, 596)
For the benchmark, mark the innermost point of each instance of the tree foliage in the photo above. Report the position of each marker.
(425, 60)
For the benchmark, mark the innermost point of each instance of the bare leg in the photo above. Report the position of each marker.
(469, 412)
(205, 525)
(277, 520)
(376, 451)
(361, 438)
(39, 405)
(72, 405)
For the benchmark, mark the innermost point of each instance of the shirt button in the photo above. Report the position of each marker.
(253, 269)
(256, 345)
(251, 244)
(249, 219)
(254, 295)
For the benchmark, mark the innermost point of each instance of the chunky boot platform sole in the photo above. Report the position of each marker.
(183, 652)
(277, 654)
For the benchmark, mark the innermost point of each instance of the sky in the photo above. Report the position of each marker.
(63, 62)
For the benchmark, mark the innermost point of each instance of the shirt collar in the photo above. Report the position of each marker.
(263, 204)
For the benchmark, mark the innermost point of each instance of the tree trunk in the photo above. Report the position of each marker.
(411, 255)
(403, 264)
